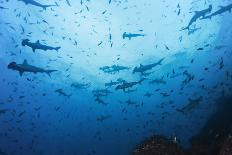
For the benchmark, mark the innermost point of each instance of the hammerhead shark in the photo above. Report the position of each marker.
(193, 103)
(25, 67)
(38, 45)
(144, 68)
(126, 85)
(198, 15)
(131, 35)
(32, 2)
(222, 10)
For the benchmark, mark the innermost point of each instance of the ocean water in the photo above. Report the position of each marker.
(109, 92)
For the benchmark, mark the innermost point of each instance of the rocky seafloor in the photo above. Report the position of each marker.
(215, 138)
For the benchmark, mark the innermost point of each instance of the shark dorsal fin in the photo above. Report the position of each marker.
(141, 65)
(21, 73)
(221, 7)
(25, 62)
(37, 41)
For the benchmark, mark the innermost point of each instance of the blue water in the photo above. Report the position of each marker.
(35, 119)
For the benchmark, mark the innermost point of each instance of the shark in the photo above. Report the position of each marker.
(131, 35)
(113, 69)
(112, 83)
(158, 81)
(198, 15)
(62, 93)
(78, 85)
(193, 103)
(35, 3)
(25, 67)
(103, 117)
(143, 68)
(222, 10)
(125, 85)
(38, 45)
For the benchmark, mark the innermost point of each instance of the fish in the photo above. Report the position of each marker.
(25, 67)
(193, 103)
(68, 3)
(130, 102)
(198, 15)
(103, 117)
(100, 101)
(143, 68)
(112, 83)
(158, 81)
(3, 8)
(78, 85)
(38, 45)
(3, 111)
(189, 77)
(113, 69)
(101, 92)
(222, 10)
(62, 93)
(125, 85)
(35, 3)
(131, 35)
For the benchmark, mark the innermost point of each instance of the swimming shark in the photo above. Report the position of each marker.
(131, 35)
(193, 103)
(222, 10)
(38, 45)
(32, 2)
(112, 83)
(113, 69)
(158, 81)
(62, 93)
(143, 68)
(25, 67)
(78, 85)
(198, 15)
(103, 117)
(126, 85)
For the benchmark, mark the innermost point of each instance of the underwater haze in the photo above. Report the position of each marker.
(97, 77)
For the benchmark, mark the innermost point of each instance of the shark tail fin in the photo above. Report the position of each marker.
(180, 110)
(48, 72)
(185, 28)
(140, 81)
(160, 61)
(57, 48)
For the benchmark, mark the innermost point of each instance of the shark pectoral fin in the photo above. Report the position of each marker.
(21, 73)
(25, 62)
(48, 72)
(44, 7)
(57, 48)
(33, 49)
